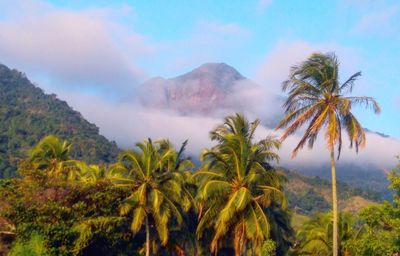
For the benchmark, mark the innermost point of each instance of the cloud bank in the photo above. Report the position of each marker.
(72, 48)
(128, 123)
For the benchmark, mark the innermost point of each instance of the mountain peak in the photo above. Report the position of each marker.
(215, 69)
(202, 90)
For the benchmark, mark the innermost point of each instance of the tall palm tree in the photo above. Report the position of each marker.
(153, 174)
(238, 184)
(316, 97)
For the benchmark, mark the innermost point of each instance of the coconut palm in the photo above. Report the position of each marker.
(238, 184)
(52, 155)
(317, 98)
(153, 174)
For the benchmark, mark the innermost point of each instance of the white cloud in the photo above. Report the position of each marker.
(128, 123)
(81, 48)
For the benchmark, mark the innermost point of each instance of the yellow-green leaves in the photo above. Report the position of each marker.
(230, 181)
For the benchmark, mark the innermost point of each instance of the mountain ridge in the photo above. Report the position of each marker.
(27, 114)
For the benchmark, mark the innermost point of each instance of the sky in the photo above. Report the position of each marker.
(94, 53)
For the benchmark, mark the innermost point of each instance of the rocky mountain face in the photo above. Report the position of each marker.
(202, 90)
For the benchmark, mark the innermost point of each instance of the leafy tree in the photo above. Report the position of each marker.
(238, 185)
(43, 202)
(154, 176)
(381, 224)
(316, 97)
(53, 208)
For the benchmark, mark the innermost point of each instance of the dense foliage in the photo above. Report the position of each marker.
(62, 206)
(375, 230)
(27, 115)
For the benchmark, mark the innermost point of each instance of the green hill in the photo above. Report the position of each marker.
(307, 195)
(27, 114)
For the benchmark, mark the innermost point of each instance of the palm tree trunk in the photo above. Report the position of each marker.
(147, 236)
(335, 248)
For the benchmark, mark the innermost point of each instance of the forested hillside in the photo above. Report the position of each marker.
(27, 114)
(307, 195)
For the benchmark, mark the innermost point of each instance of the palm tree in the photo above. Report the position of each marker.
(238, 184)
(153, 174)
(53, 156)
(316, 97)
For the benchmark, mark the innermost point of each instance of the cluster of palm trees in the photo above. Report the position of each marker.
(236, 194)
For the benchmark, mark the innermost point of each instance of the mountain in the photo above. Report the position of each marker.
(203, 90)
(27, 114)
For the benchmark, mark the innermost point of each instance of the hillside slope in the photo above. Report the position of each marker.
(307, 195)
(27, 114)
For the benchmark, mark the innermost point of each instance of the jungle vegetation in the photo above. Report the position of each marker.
(154, 201)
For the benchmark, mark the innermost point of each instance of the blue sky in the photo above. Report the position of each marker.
(100, 47)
